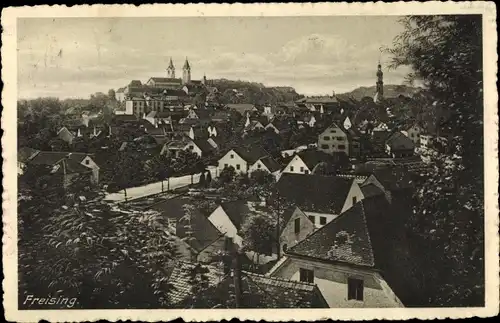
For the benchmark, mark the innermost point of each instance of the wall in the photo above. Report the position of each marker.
(89, 162)
(297, 164)
(354, 191)
(288, 235)
(331, 280)
(316, 217)
(66, 135)
(193, 148)
(222, 222)
(331, 143)
(233, 162)
(414, 134)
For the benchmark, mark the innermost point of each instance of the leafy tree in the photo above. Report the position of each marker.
(129, 169)
(258, 234)
(445, 54)
(208, 178)
(203, 181)
(159, 169)
(111, 95)
(227, 175)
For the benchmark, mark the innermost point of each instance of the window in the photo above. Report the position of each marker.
(291, 168)
(237, 166)
(311, 217)
(324, 146)
(225, 165)
(306, 275)
(191, 147)
(333, 131)
(297, 225)
(354, 289)
(326, 138)
(341, 146)
(340, 138)
(322, 220)
(354, 200)
(306, 172)
(231, 156)
(87, 162)
(258, 166)
(301, 169)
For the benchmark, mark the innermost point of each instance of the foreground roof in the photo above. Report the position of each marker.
(326, 194)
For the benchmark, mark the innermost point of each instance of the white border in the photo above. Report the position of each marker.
(9, 99)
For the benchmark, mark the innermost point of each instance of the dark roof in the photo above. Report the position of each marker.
(251, 154)
(166, 80)
(204, 146)
(271, 164)
(399, 141)
(326, 194)
(394, 178)
(125, 118)
(319, 99)
(313, 157)
(71, 167)
(371, 190)
(238, 211)
(380, 135)
(221, 115)
(24, 154)
(241, 108)
(52, 157)
(185, 212)
(345, 239)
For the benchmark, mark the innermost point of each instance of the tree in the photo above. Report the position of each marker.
(111, 95)
(227, 175)
(208, 178)
(203, 181)
(445, 54)
(159, 169)
(258, 235)
(108, 257)
(129, 169)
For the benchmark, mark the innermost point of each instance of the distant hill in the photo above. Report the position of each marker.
(390, 91)
(236, 91)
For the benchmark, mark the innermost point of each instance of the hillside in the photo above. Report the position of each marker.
(390, 91)
(232, 91)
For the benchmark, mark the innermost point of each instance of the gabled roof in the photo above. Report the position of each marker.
(52, 157)
(241, 107)
(70, 167)
(239, 211)
(251, 154)
(271, 164)
(345, 239)
(313, 157)
(371, 190)
(204, 145)
(398, 141)
(325, 194)
(201, 233)
(165, 80)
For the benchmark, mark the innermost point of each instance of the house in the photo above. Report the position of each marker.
(304, 162)
(388, 180)
(197, 132)
(413, 132)
(164, 82)
(185, 220)
(266, 164)
(360, 259)
(280, 125)
(399, 145)
(241, 158)
(200, 147)
(70, 164)
(120, 94)
(221, 116)
(173, 147)
(321, 198)
(310, 120)
(244, 109)
(322, 104)
(198, 114)
(334, 139)
(229, 217)
(257, 291)
(252, 125)
(347, 123)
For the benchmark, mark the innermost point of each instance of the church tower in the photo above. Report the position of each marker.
(380, 83)
(171, 69)
(186, 73)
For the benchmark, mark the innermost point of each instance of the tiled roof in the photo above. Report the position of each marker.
(271, 164)
(326, 194)
(71, 167)
(202, 232)
(251, 154)
(345, 239)
(204, 146)
(399, 141)
(241, 107)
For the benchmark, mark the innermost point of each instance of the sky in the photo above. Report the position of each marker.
(74, 57)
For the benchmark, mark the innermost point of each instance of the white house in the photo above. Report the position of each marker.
(305, 161)
(340, 259)
(267, 164)
(413, 132)
(241, 158)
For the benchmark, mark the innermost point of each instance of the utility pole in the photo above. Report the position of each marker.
(237, 277)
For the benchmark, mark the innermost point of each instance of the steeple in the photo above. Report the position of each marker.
(186, 72)
(379, 95)
(171, 69)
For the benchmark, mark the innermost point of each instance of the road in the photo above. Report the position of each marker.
(154, 188)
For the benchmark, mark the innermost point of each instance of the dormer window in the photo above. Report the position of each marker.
(231, 156)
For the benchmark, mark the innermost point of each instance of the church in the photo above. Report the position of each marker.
(171, 82)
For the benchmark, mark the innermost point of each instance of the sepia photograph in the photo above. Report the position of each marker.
(250, 162)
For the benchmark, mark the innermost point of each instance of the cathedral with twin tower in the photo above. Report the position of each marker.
(186, 73)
